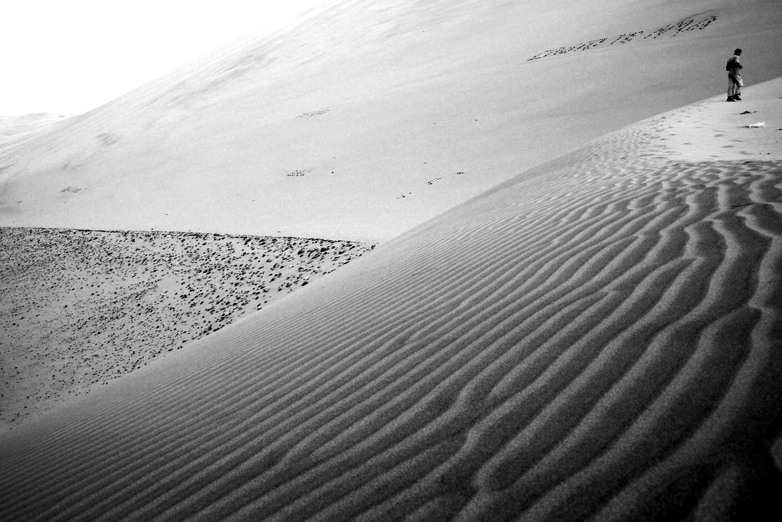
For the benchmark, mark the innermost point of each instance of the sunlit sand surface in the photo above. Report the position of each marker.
(369, 119)
(574, 312)
(598, 337)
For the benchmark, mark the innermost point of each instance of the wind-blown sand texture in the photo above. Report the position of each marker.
(596, 338)
(11, 127)
(79, 307)
(371, 101)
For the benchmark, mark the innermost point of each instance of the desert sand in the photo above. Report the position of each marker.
(81, 307)
(597, 338)
(371, 118)
(588, 330)
(14, 127)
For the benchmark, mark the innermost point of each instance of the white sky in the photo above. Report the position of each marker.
(69, 56)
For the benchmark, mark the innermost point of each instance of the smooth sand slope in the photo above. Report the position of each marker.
(597, 338)
(79, 308)
(371, 117)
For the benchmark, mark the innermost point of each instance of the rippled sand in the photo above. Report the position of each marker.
(597, 338)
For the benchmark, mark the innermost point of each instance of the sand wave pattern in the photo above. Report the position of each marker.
(598, 338)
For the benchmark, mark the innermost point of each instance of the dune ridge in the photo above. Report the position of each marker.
(394, 113)
(597, 338)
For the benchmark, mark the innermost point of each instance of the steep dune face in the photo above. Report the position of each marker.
(372, 117)
(598, 338)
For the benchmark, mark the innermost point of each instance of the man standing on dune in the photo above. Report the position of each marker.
(735, 83)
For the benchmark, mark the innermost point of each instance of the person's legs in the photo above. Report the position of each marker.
(732, 88)
(737, 87)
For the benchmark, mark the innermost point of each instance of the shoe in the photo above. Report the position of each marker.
(730, 98)
(736, 97)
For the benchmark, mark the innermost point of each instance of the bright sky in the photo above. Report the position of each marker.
(69, 56)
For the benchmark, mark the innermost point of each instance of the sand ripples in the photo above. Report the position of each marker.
(597, 338)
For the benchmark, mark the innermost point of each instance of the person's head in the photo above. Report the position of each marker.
(737, 52)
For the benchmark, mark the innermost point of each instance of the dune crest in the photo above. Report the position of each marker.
(597, 338)
(371, 102)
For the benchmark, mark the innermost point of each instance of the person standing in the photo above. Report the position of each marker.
(735, 83)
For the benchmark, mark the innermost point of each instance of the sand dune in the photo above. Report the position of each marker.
(597, 338)
(11, 126)
(80, 307)
(391, 112)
